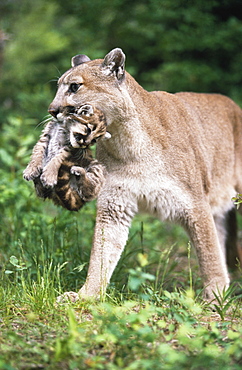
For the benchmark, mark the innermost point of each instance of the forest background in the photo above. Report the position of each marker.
(171, 45)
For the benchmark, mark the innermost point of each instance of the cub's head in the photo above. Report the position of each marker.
(86, 127)
(99, 83)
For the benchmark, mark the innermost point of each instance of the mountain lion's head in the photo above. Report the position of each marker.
(98, 83)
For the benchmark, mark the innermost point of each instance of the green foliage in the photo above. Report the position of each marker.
(224, 300)
(181, 45)
(177, 333)
(152, 317)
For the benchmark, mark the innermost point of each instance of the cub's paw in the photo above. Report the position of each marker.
(30, 173)
(49, 180)
(78, 171)
(86, 110)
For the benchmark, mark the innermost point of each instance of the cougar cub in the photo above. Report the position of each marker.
(62, 166)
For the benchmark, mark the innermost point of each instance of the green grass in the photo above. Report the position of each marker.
(169, 331)
(153, 316)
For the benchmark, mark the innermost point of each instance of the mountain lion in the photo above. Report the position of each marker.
(175, 156)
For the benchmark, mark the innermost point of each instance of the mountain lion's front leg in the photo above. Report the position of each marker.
(114, 215)
(111, 234)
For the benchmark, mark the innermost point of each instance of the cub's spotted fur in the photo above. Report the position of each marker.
(62, 166)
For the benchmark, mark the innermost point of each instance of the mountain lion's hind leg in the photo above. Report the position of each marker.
(203, 233)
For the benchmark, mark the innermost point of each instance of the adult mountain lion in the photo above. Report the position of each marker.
(175, 156)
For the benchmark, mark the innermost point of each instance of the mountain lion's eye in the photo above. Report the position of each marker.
(74, 87)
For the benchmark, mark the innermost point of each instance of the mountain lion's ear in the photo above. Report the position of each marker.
(114, 63)
(79, 59)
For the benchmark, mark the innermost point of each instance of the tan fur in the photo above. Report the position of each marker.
(62, 166)
(175, 156)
